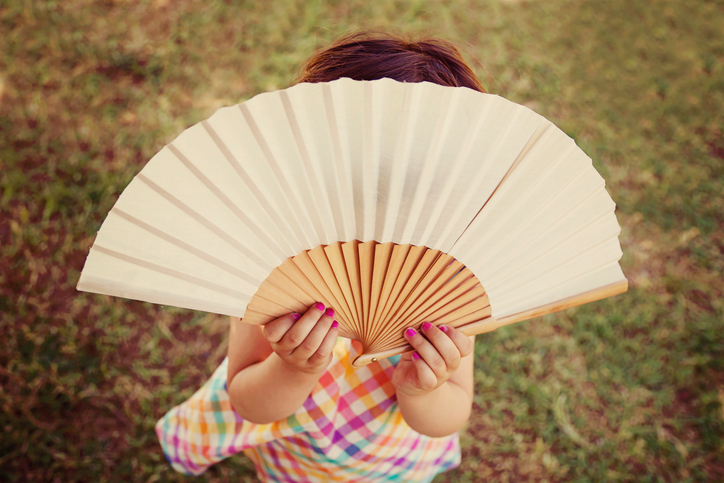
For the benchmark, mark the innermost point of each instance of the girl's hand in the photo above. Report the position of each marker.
(305, 342)
(437, 356)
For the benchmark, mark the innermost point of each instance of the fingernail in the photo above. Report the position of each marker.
(330, 312)
(426, 326)
(415, 355)
(410, 332)
(335, 324)
(444, 328)
(297, 316)
(320, 306)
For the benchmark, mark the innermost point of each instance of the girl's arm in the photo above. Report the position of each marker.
(435, 383)
(272, 369)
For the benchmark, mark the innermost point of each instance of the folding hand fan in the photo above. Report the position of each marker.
(394, 203)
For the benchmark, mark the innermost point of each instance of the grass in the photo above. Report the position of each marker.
(628, 389)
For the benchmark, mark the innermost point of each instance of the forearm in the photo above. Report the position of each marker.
(269, 390)
(438, 413)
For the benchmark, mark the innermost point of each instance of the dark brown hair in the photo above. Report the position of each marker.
(371, 56)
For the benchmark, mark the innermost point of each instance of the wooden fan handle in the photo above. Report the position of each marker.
(472, 328)
(489, 324)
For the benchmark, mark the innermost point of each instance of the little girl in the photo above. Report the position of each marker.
(288, 395)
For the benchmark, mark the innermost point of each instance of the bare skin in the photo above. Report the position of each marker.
(273, 369)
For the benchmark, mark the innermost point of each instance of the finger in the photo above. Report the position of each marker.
(327, 345)
(427, 351)
(444, 345)
(425, 375)
(314, 338)
(301, 328)
(461, 341)
(274, 331)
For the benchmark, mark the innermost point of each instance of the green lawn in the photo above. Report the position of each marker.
(627, 389)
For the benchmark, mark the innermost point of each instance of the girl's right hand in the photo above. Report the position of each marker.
(304, 341)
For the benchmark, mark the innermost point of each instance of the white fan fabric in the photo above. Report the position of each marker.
(488, 181)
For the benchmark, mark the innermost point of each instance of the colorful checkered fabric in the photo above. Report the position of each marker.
(349, 429)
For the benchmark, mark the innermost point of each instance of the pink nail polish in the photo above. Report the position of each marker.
(330, 312)
(426, 326)
(320, 306)
(410, 332)
(415, 355)
(444, 328)
(297, 316)
(335, 324)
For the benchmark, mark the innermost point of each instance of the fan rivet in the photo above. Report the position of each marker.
(374, 359)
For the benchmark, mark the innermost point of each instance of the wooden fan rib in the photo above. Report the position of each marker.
(257, 318)
(350, 253)
(283, 283)
(442, 306)
(479, 322)
(461, 306)
(455, 299)
(292, 270)
(273, 310)
(580, 299)
(557, 274)
(396, 261)
(608, 272)
(366, 253)
(302, 271)
(283, 298)
(335, 259)
(491, 324)
(453, 315)
(476, 317)
(412, 260)
(398, 321)
(451, 288)
(382, 256)
(420, 271)
(318, 258)
(419, 296)
(464, 306)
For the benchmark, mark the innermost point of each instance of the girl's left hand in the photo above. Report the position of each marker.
(437, 356)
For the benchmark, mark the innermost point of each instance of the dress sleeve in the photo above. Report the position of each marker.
(205, 429)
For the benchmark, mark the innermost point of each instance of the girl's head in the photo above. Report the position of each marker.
(370, 56)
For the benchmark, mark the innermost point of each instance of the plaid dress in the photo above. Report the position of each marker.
(349, 429)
